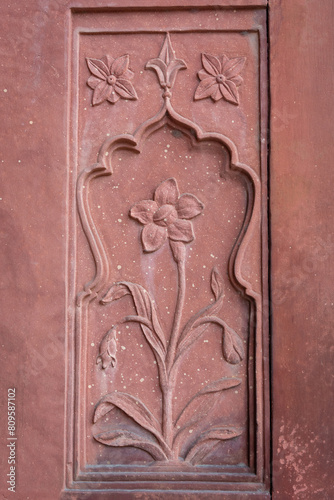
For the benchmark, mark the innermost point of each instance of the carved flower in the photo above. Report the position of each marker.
(166, 216)
(108, 348)
(110, 79)
(220, 78)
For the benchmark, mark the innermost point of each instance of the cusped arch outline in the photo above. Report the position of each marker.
(166, 116)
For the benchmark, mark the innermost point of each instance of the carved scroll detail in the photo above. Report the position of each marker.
(220, 78)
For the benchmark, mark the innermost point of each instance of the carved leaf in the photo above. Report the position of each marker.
(233, 349)
(208, 441)
(189, 336)
(216, 283)
(145, 307)
(119, 437)
(160, 67)
(133, 407)
(217, 386)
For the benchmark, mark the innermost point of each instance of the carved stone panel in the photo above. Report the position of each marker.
(167, 366)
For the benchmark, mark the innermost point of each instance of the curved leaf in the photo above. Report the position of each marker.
(217, 386)
(216, 283)
(145, 307)
(172, 69)
(133, 407)
(233, 349)
(208, 441)
(188, 335)
(119, 437)
(160, 67)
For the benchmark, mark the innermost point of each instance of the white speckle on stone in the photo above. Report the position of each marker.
(123, 347)
(92, 344)
(119, 267)
(5, 90)
(141, 380)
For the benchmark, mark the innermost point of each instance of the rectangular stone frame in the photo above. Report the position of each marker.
(81, 479)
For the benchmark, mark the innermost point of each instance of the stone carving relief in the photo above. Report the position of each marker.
(220, 78)
(168, 318)
(110, 79)
(167, 218)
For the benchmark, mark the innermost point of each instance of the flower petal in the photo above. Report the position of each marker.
(143, 211)
(233, 66)
(202, 74)
(211, 64)
(93, 81)
(125, 89)
(101, 93)
(181, 230)
(120, 65)
(188, 206)
(216, 95)
(167, 192)
(108, 60)
(206, 88)
(229, 91)
(114, 97)
(153, 237)
(98, 68)
(128, 75)
(237, 80)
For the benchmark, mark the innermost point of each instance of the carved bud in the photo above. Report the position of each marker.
(233, 349)
(108, 348)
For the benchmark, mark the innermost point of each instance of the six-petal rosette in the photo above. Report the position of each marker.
(166, 216)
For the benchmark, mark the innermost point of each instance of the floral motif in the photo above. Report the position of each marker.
(166, 216)
(110, 79)
(108, 348)
(168, 440)
(220, 78)
(166, 66)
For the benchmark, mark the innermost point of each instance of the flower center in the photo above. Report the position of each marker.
(165, 215)
(220, 78)
(111, 79)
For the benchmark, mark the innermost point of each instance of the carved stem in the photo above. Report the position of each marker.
(181, 268)
(178, 251)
